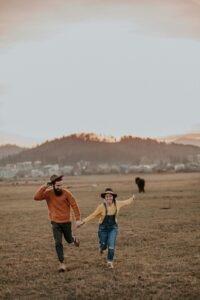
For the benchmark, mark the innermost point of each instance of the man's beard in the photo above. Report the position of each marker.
(58, 192)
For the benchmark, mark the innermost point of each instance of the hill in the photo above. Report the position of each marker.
(185, 139)
(7, 150)
(128, 150)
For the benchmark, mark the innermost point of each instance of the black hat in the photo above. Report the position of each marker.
(55, 178)
(108, 191)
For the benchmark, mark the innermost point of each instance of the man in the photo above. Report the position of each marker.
(59, 201)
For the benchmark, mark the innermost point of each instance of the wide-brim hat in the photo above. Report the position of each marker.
(55, 178)
(108, 191)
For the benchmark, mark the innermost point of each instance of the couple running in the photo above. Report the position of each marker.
(59, 201)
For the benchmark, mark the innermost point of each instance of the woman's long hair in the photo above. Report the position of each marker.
(115, 204)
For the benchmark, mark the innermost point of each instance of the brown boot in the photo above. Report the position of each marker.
(102, 253)
(76, 242)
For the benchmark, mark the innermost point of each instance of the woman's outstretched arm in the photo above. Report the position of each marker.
(123, 203)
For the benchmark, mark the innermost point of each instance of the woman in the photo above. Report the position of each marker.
(107, 213)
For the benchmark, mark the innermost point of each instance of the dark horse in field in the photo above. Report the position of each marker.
(140, 183)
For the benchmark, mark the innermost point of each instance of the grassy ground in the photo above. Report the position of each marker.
(158, 247)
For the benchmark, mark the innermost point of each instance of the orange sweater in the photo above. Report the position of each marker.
(58, 207)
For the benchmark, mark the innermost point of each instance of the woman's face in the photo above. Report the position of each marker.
(109, 199)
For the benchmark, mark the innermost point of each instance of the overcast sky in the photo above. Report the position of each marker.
(109, 67)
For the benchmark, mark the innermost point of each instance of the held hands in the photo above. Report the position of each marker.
(79, 223)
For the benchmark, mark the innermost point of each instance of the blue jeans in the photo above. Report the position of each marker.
(107, 239)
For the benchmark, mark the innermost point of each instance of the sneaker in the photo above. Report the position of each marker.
(61, 268)
(110, 264)
(76, 242)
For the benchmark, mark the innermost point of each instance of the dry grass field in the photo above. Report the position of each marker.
(158, 247)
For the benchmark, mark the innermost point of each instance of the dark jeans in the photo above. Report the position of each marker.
(107, 239)
(60, 229)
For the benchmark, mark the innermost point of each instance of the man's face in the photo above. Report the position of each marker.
(58, 187)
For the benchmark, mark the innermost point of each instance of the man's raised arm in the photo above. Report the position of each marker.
(41, 193)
